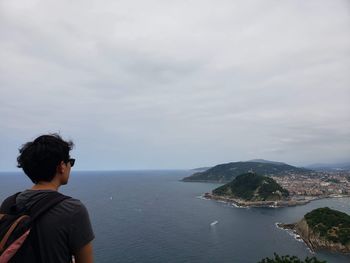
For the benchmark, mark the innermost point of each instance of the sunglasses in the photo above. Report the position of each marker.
(71, 161)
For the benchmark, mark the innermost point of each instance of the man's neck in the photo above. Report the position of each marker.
(46, 186)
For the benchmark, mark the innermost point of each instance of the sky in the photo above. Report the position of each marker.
(162, 84)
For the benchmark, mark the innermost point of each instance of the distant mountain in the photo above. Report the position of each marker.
(330, 167)
(265, 161)
(252, 187)
(200, 169)
(228, 171)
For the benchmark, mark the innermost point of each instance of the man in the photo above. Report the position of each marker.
(63, 232)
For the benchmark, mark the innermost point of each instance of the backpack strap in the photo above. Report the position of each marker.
(38, 209)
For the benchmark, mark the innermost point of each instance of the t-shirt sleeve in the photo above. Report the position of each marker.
(81, 232)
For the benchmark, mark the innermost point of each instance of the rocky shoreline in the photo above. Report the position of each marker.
(243, 203)
(292, 228)
(312, 240)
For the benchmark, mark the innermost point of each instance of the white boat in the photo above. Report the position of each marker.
(214, 223)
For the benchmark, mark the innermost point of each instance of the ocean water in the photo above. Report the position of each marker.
(151, 216)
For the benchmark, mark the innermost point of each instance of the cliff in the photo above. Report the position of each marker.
(324, 228)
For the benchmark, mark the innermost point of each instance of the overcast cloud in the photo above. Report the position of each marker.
(177, 84)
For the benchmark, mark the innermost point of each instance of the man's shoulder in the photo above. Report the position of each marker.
(7, 203)
(71, 204)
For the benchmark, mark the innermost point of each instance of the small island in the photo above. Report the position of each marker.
(323, 228)
(253, 190)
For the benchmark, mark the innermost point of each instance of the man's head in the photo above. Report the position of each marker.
(41, 158)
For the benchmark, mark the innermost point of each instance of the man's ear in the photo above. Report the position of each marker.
(61, 168)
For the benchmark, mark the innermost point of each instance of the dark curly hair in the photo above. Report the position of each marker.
(39, 159)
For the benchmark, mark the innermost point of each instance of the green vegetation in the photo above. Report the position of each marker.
(252, 187)
(228, 171)
(330, 224)
(290, 259)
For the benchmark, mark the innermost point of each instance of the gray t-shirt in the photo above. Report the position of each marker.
(62, 230)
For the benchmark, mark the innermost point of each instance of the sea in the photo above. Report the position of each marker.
(152, 216)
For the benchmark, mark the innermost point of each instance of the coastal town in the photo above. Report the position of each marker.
(317, 184)
(302, 188)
